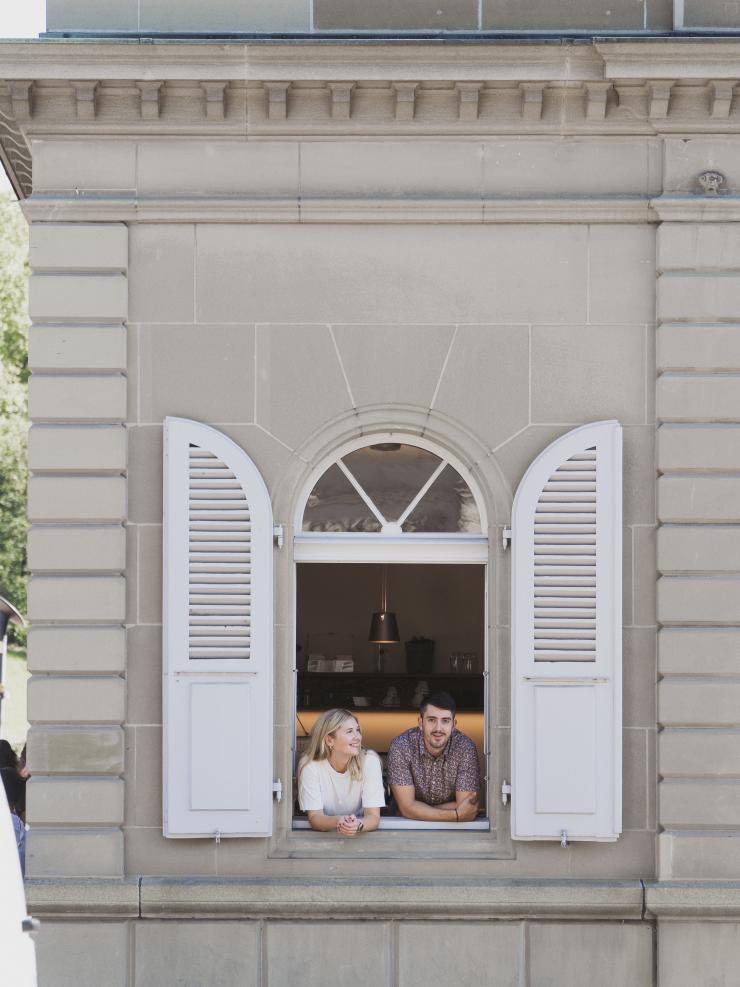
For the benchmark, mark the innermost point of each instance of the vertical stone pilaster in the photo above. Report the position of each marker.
(698, 412)
(77, 551)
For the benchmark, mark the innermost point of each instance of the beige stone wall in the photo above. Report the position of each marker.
(494, 338)
(500, 330)
(389, 954)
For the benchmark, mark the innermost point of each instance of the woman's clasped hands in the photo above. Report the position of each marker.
(349, 825)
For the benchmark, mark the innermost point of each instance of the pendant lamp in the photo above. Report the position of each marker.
(383, 624)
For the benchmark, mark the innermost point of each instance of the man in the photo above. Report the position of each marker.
(433, 768)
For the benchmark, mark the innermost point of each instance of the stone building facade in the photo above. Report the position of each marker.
(436, 230)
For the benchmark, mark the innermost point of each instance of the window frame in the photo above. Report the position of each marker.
(406, 841)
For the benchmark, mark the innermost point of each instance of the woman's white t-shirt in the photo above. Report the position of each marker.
(321, 787)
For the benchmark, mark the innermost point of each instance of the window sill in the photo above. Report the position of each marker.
(397, 838)
(399, 823)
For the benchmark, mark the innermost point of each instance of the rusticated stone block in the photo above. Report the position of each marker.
(72, 498)
(78, 247)
(77, 448)
(73, 297)
(692, 398)
(59, 548)
(73, 398)
(701, 448)
(58, 648)
(688, 702)
(64, 750)
(699, 498)
(74, 699)
(700, 600)
(74, 852)
(77, 347)
(75, 801)
(94, 599)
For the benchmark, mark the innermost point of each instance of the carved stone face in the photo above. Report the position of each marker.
(711, 182)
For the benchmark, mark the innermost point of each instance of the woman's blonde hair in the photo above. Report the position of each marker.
(318, 749)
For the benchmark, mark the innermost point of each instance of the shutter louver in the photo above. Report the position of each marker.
(566, 639)
(565, 563)
(219, 564)
(217, 637)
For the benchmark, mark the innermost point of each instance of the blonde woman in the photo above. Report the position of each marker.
(340, 785)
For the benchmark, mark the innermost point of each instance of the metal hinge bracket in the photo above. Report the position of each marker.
(277, 790)
(506, 538)
(563, 838)
(505, 793)
(277, 535)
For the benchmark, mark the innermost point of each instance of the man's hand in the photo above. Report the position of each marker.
(467, 809)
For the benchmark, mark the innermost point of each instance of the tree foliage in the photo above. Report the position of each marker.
(13, 400)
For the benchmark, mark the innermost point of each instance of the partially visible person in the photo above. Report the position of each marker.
(10, 760)
(21, 765)
(340, 785)
(15, 790)
(433, 768)
(8, 757)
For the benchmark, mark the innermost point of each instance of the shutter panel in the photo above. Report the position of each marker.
(567, 640)
(217, 637)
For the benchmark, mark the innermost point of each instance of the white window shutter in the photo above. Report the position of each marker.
(567, 640)
(217, 637)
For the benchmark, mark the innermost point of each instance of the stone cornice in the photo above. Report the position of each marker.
(93, 208)
(486, 60)
(159, 107)
(681, 58)
(244, 62)
(121, 88)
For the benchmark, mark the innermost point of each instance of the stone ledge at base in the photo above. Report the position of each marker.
(154, 897)
(693, 899)
(101, 898)
(378, 899)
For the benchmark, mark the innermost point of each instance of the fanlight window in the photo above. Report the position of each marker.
(392, 488)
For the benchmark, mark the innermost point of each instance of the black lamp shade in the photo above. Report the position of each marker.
(383, 628)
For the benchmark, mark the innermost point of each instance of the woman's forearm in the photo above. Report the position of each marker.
(322, 823)
(371, 820)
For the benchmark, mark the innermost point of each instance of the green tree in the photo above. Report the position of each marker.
(13, 400)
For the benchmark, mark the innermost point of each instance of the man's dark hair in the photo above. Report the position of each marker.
(442, 700)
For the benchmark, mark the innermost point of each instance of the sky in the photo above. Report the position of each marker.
(20, 19)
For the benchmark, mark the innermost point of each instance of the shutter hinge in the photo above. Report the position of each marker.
(506, 538)
(505, 793)
(277, 535)
(563, 838)
(217, 835)
(277, 790)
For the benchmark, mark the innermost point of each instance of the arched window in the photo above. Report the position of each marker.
(392, 522)
(391, 491)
